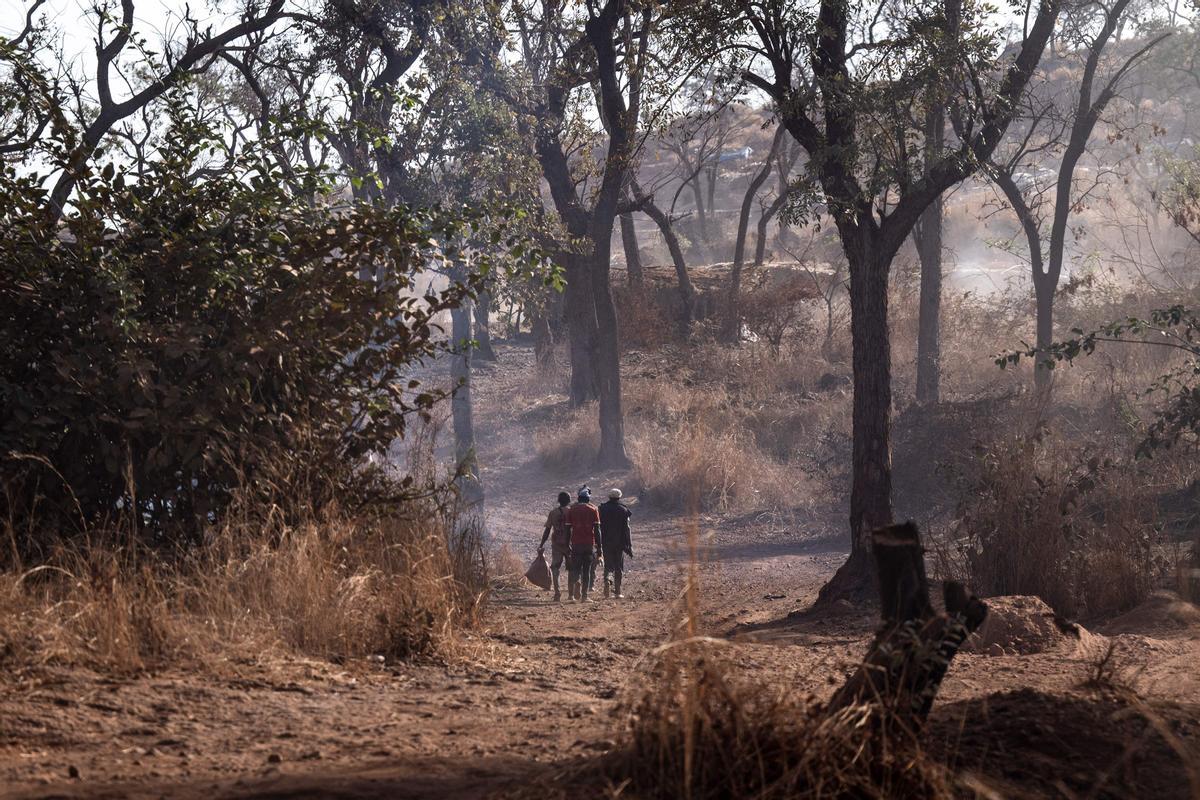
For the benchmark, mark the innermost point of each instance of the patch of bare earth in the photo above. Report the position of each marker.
(538, 689)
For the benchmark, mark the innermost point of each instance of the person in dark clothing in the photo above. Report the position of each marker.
(558, 531)
(615, 540)
(584, 520)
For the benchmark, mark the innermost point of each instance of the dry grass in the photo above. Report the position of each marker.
(569, 445)
(336, 586)
(716, 470)
(739, 429)
(754, 428)
(701, 731)
(1040, 519)
(699, 728)
(688, 444)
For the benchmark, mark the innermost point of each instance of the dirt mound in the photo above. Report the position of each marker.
(1020, 625)
(1028, 743)
(1162, 612)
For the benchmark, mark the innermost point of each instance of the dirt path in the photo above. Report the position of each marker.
(538, 688)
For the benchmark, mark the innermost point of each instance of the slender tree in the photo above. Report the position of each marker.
(1049, 129)
(785, 160)
(634, 272)
(733, 320)
(927, 234)
(644, 202)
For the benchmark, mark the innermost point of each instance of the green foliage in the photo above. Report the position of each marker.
(1176, 327)
(892, 79)
(172, 334)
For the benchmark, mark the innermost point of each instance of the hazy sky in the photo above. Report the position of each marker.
(75, 22)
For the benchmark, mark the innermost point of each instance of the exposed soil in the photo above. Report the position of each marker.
(538, 689)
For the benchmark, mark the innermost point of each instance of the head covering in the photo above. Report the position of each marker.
(564, 499)
(585, 494)
(614, 494)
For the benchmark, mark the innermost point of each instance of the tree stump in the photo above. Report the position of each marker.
(912, 651)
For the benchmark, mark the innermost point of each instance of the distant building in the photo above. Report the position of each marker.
(735, 155)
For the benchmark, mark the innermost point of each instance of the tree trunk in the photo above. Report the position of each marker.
(711, 180)
(701, 217)
(1043, 289)
(760, 246)
(871, 487)
(607, 362)
(470, 488)
(483, 333)
(687, 294)
(1045, 281)
(904, 668)
(543, 339)
(633, 258)
(733, 317)
(580, 310)
(928, 236)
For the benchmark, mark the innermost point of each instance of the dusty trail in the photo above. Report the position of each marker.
(538, 687)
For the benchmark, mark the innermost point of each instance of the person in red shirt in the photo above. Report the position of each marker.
(584, 519)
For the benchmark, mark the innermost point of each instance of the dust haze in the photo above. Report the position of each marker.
(605, 399)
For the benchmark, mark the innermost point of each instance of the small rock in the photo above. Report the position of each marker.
(603, 745)
(73, 772)
(274, 758)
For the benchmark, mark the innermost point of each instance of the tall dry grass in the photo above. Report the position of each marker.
(727, 427)
(1041, 519)
(307, 561)
(703, 730)
(337, 587)
(698, 727)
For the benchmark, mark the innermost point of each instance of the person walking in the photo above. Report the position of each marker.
(584, 520)
(615, 540)
(558, 531)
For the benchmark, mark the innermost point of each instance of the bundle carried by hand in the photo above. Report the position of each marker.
(539, 571)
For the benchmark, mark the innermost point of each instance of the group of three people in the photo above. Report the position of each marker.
(581, 533)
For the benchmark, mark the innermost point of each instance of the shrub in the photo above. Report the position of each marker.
(1039, 519)
(779, 305)
(174, 332)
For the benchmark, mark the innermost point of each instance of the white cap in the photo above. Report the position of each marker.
(614, 494)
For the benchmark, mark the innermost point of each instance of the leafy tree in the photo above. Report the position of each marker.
(169, 335)
(1178, 328)
(1053, 126)
(844, 81)
(123, 58)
